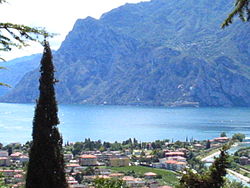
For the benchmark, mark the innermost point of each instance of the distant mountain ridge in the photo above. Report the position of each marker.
(16, 69)
(161, 52)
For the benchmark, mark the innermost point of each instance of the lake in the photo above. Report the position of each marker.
(111, 123)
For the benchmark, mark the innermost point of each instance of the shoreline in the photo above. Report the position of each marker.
(240, 176)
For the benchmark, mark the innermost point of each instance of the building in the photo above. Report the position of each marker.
(4, 161)
(24, 159)
(175, 154)
(3, 153)
(177, 158)
(68, 157)
(244, 160)
(16, 156)
(150, 175)
(220, 140)
(88, 160)
(119, 161)
(133, 182)
(175, 165)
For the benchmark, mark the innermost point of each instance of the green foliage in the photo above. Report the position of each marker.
(238, 136)
(241, 9)
(2, 184)
(46, 164)
(233, 184)
(223, 134)
(89, 171)
(208, 144)
(17, 35)
(213, 178)
(109, 183)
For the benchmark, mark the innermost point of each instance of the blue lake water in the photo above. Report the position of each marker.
(111, 123)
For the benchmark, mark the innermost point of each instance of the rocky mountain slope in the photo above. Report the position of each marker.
(16, 69)
(162, 52)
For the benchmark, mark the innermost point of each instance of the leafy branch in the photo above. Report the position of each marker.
(241, 9)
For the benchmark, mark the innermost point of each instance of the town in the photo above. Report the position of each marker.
(157, 164)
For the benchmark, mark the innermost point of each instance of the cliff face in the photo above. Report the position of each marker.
(16, 69)
(153, 53)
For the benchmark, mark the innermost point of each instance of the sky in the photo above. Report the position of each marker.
(56, 16)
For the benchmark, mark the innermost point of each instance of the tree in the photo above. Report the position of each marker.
(238, 136)
(223, 134)
(208, 144)
(109, 183)
(241, 9)
(213, 178)
(46, 165)
(16, 35)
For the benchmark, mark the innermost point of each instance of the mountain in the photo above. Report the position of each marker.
(16, 69)
(161, 52)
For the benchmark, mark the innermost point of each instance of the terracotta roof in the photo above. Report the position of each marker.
(171, 162)
(72, 165)
(150, 174)
(116, 174)
(3, 158)
(221, 138)
(18, 176)
(17, 154)
(175, 153)
(88, 156)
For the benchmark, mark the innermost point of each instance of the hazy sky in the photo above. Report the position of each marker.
(56, 16)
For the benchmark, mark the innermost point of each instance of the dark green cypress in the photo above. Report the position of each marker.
(46, 165)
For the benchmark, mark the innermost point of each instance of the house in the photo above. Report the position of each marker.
(199, 146)
(116, 175)
(220, 140)
(68, 157)
(177, 158)
(157, 165)
(119, 161)
(15, 156)
(175, 165)
(24, 159)
(244, 160)
(174, 154)
(88, 160)
(4, 161)
(150, 175)
(18, 178)
(72, 166)
(71, 181)
(3, 153)
(102, 171)
(133, 182)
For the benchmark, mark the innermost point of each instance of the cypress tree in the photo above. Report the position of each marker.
(46, 165)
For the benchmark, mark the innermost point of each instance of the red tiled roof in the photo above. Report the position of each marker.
(88, 156)
(150, 174)
(72, 165)
(221, 138)
(3, 158)
(175, 153)
(171, 162)
(17, 154)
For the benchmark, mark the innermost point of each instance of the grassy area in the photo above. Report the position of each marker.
(168, 177)
(247, 166)
(205, 153)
